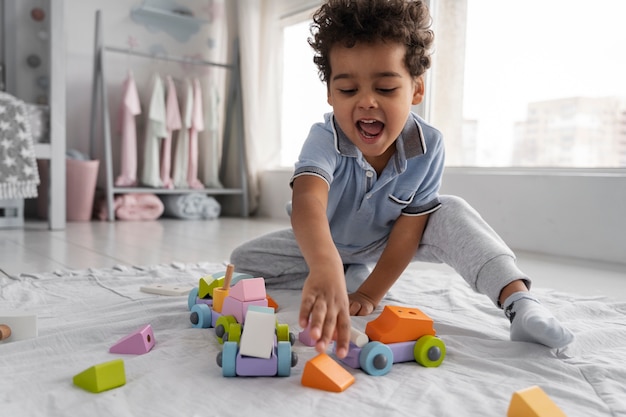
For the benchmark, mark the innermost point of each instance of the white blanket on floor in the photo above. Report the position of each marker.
(81, 314)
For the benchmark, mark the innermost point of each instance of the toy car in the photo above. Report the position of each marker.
(257, 351)
(399, 334)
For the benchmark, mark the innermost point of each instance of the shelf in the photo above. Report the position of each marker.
(211, 191)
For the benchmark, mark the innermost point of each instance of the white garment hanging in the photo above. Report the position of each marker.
(211, 138)
(181, 153)
(173, 122)
(156, 130)
(197, 125)
(129, 108)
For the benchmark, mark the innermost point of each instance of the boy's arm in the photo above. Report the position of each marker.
(403, 242)
(324, 306)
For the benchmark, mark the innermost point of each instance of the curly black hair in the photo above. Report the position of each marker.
(347, 22)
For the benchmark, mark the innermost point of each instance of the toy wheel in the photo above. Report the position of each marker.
(229, 359)
(376, 358)
(284, 358)
(222, 325)
(233, 334)
(192, 297)
(200, 316)
(429, 351)
(282, 332)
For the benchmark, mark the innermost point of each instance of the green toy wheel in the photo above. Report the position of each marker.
(282, 332)
(429, 351)
(222, 325)
(234, 333)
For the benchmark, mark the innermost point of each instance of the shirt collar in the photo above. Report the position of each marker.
(411, 140)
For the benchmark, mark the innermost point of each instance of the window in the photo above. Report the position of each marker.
(304, 94)
(531, 84)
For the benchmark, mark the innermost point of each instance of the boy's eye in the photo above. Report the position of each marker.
(347, 90)
(387, 90)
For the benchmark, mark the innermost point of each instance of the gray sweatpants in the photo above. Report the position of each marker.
(455, 235)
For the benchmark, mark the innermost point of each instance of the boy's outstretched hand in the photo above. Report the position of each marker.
(324, 308)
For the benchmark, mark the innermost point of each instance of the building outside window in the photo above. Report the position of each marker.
(534, 84)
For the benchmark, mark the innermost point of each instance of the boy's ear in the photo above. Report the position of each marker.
(418, 90)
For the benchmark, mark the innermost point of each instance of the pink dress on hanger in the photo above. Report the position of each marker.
(172, 122)
(197, 125)
(130, 107)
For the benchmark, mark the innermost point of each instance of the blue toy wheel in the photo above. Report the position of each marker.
(192, 297)
(376, 358)
(429, 351)
(229, 359)
(200, 316)
(284, 359)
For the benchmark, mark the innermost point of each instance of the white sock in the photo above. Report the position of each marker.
(532, 322)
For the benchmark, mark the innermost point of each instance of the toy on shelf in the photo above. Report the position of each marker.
(244, 318)
(533, 402)
(399, 334)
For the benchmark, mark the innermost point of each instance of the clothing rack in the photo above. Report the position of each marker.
(233, 114)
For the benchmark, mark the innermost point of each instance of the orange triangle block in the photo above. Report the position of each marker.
(533, 402)
(322, 372)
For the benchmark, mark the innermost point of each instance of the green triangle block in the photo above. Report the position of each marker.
(102, 377)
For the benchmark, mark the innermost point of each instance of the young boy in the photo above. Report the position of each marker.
(365, 187)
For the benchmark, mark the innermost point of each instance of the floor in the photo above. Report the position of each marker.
(104, 244)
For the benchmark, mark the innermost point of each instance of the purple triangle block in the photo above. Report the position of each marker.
(136, 343)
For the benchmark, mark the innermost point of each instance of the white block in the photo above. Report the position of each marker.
(259, 332)
(23, 325)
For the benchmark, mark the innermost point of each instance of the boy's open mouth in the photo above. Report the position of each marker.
(370, 128)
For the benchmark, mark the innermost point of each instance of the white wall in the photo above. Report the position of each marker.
(564, 214)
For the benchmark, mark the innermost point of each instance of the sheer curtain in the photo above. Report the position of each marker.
(259, 43)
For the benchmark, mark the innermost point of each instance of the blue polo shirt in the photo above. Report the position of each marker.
(362, 207)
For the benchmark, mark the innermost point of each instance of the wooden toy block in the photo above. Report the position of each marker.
(399, 324)
(239, 309)
(17, 326)
(102, 377)
(206, 285)
(271, 302)
(249, 290)
(305, 337)
(322, 372)
(136, 343)
(5, 332)
(220, 294)
(357, 337)
(533, 402)
(257, 338)
(166, 289)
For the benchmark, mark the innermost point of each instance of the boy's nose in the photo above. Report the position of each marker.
(367, 100)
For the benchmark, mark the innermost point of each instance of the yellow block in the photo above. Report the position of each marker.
(102, 377)
(533, 402)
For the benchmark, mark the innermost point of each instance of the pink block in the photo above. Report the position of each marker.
(136, 343)
(238, 309)
(249, 289)
(305, 337)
